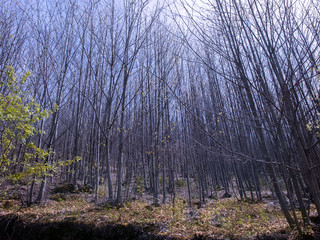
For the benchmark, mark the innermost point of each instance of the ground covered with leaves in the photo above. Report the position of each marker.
(216, 219)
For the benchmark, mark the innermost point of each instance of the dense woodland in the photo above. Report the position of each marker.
(132, 96)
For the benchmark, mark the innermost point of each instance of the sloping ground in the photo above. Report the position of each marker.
(70, 216)
(11, 228)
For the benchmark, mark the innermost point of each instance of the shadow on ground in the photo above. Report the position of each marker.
(12, 228)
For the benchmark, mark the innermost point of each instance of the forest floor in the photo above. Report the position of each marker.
(216, 219)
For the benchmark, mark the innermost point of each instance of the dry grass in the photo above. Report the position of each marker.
(217, 218)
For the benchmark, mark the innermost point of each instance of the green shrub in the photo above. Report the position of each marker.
(181, 183)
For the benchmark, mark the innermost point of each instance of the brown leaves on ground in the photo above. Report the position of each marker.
(216, 219)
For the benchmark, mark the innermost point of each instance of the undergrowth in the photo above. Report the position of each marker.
(216, 219)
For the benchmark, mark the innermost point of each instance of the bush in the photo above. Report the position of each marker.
(181, 183)
(18, 116)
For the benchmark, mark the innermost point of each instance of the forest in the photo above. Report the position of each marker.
(159, 119)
